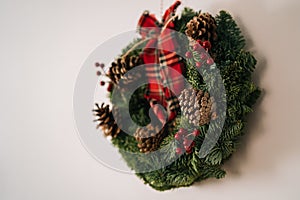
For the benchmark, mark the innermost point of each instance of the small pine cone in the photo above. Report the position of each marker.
(149, 137)
(196, 106)
(202, 27)
(121, 66)
(106, 120)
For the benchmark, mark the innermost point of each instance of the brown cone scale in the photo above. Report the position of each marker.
(196, 106)
(106, 120)
(121, 66)
(202, 27)
(149, 137)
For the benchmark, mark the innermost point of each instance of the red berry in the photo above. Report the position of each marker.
(178, 151)
(110, 87)
(102, 83)
(188, 54)
(98, 73)
(102, 65)
(97, 64)
(196, 47)
(186, 142)
(210, 61)
(206, 45)
(198, 64)
(177, 136)
(203, 56)
(182, 131)
(199, 42)
(189, 150)
(196, 132)
(193, 144)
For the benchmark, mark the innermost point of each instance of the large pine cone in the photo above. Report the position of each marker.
(121, 66)
(106, 120)
(202, 27)
(149, 137)
(197, 106)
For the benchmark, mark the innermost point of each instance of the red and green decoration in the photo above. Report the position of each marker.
(215, 41)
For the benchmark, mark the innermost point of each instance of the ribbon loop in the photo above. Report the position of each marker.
(164, 66)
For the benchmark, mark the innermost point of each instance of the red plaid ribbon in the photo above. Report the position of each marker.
(163, 67)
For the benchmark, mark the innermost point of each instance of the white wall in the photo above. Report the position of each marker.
(42, 46)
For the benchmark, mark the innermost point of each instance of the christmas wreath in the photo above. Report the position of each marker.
(180, 95)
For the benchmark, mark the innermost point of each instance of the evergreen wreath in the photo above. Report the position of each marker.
(224, 48)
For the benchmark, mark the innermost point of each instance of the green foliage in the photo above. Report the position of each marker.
(139, 107)
(236, 66)
(230, 40)
(186, 15)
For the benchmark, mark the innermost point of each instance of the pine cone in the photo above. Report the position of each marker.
(149, 137)
(197, 105)
(121, 66)
(106, 120)
(202, 27)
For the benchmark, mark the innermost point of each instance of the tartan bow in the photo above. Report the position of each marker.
(163, 67)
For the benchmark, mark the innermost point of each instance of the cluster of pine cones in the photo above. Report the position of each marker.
(197, 106)
(148, 138)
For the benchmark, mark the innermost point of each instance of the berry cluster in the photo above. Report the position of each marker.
(202, 48)
(185, 140)
(101, 72)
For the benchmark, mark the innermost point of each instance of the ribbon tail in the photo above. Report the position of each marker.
(170, 11)
(160, 58)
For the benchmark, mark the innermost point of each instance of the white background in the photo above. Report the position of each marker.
(42, 47)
